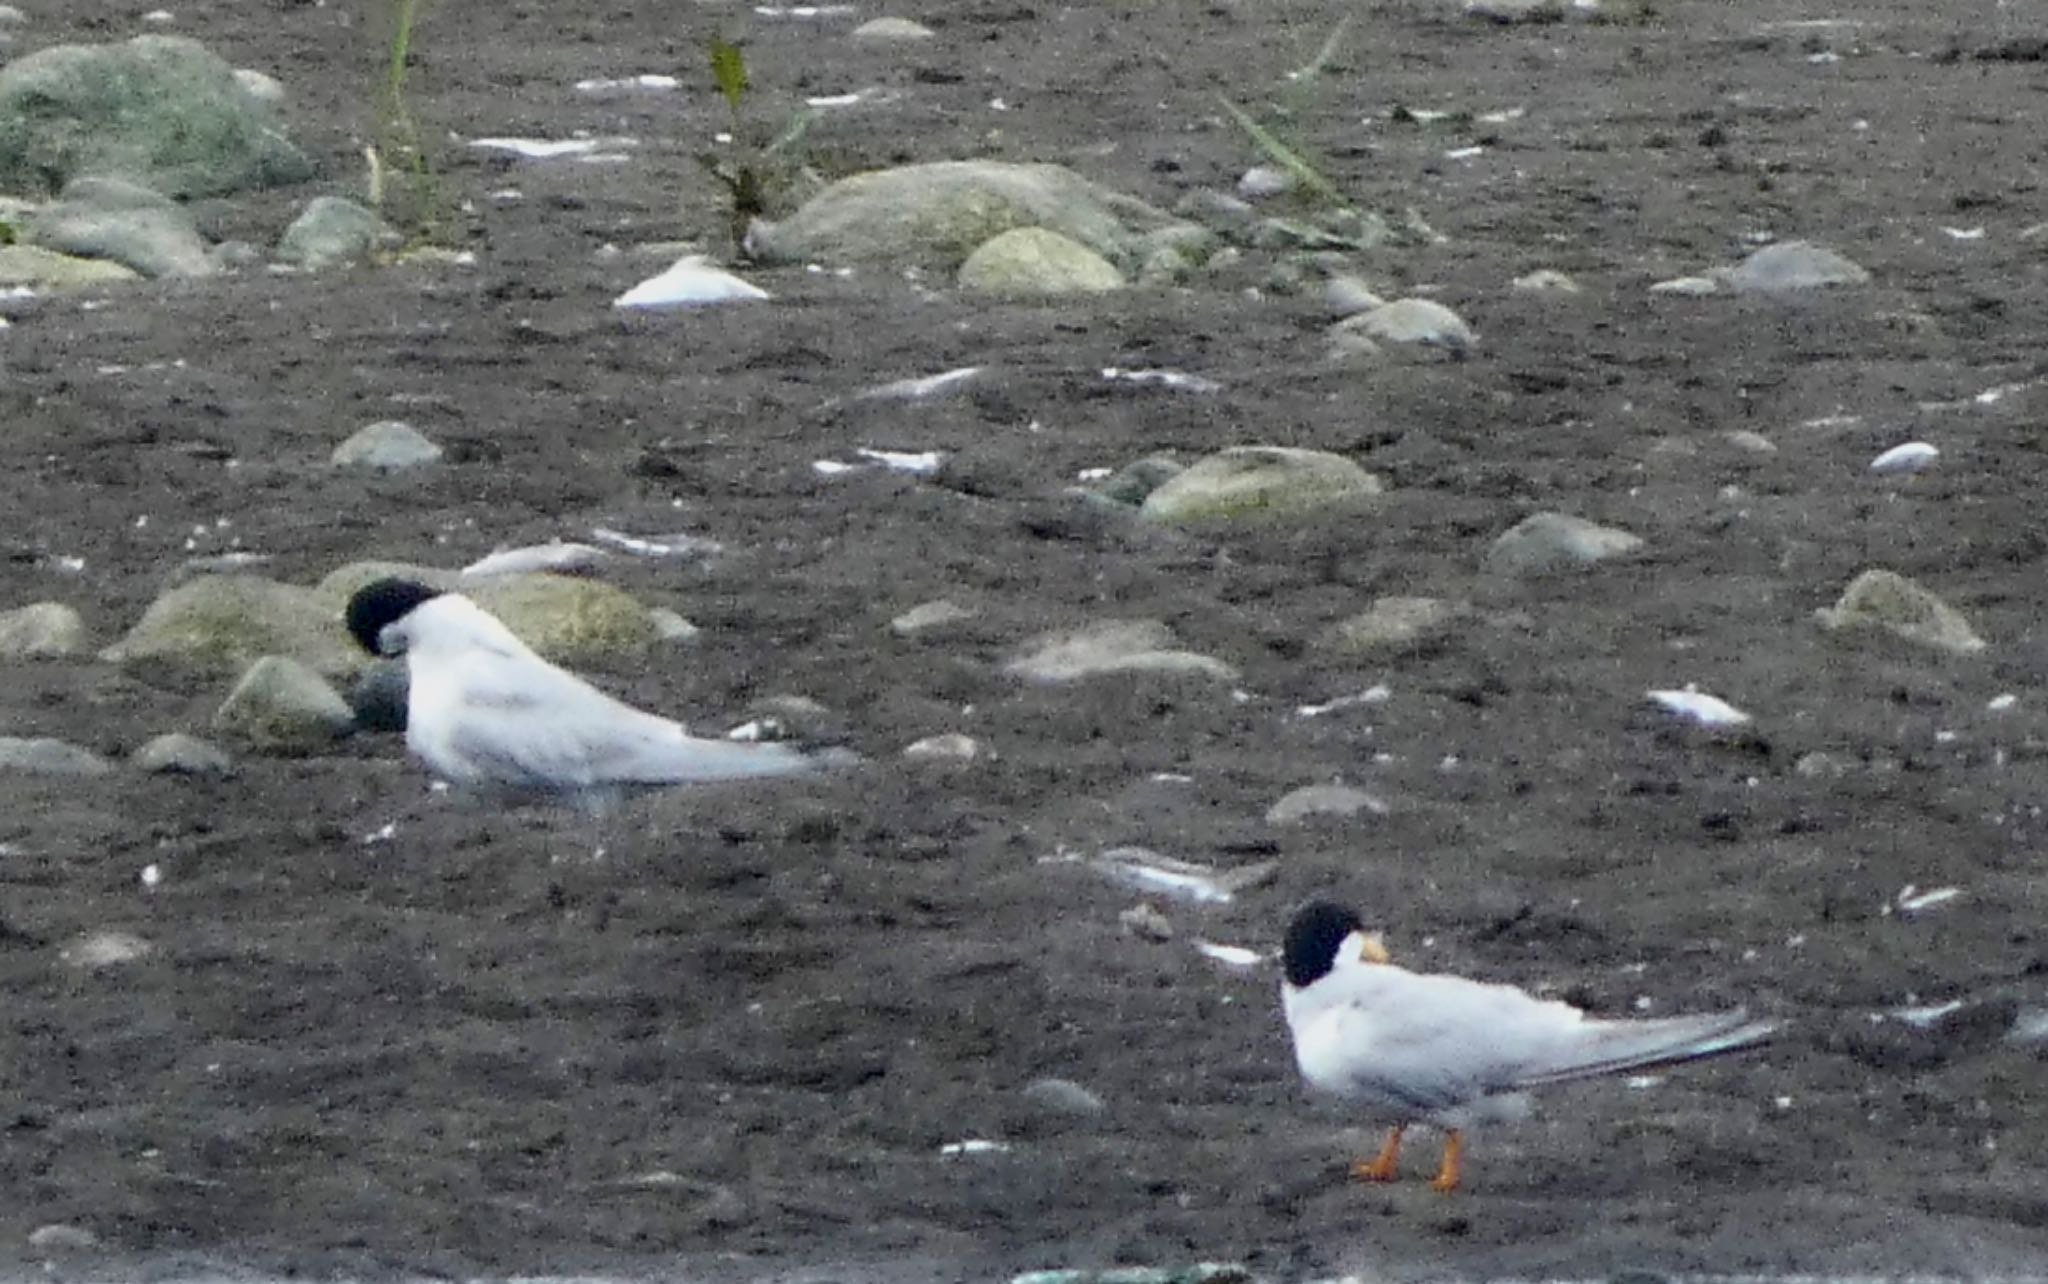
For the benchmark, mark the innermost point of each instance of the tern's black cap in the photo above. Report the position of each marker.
(386, 601)
(1317, 930)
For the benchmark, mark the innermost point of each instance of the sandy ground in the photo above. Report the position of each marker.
(737, 1045)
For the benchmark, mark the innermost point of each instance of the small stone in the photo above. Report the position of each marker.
(671, 627)
(1890, 603)
(1063, 1097)
(882, 30)
(282, 707)
(1145, 922)
(378, 699)
(1032, 262)
(1546, 281)
(126, 223)
(62, 1237)
(94, 950)
(261, 86)
(45, 630)
(1421, 322)
(1753, 442)
(1546, 542)
(176, 753)
(951, 747)
(42, 756)
(1259, 482)
(1395, 625)
(1792, 266)
(929, 617)
(1509, 12)
(1263, 182)
(1112, 647)
(1131, 484)
(333, 231)
(387, 446)
(1323, 800)
(1347, 296)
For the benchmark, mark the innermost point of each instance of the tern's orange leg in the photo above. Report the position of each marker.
(1454, 1152)
(1381, 1166)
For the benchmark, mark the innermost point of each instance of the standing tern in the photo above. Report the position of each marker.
(1411, 1048)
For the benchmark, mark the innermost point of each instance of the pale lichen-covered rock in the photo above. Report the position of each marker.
(1887, 602)
(1543, 543)
(282, 707)
(1030, 262)
(1112, 647)
(1259, 482)
(218, 625)
(42, 630)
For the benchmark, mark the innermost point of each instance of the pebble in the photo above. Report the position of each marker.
(1263, 182)
(1063, 1097)
(1323, 800)
(1421, 322)
(43, 630)
(1911, 457)
(1397, 625)
(333, 231)
(1791, 266)
(62, 1237)
(282, 707)
(176, 753)
(952, 746)
(1111, 647)
(95, 950)
(1259, 483)
(1546, 281)
(1546, 542)
(42, 756)
(882, 30)
(1145, 922)
(388, 445)
(929, 617)
(1890, 603)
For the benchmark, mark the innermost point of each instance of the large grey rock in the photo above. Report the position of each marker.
(48, 270)
(217, 625)
(1112, 647)
(1030, 262)
(160, 109)
(1546, 542)
(1259, 481)
(938, 214)
(282, 707)
(41, 756)
(123, 222)
(1886, 602)
(332, 231)
(1791, 266)
(43, 630)
(389, 445)
(379, 696)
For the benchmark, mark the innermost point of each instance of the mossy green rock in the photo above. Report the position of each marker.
(938, 214)
(163, 110)
(1259, 482)
(1030, 262)
(281, 707)
(574, 622)
(218, 625)
(1887, 602)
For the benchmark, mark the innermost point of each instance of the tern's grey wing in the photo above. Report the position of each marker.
(1612, 1047)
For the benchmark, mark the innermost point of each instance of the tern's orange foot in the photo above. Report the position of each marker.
(1381, 1167)
(1447, 1173)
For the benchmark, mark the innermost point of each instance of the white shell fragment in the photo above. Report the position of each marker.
(921, 462)
(1697, 706)
(974, 1146)
(1178, 380)
(1148, 871)
(679, 545)
(1379, 693)
(556, 556)
(1229, 955)
(1908, 458)
(1912, 900)
(2000, 703)
(918, 389)
(538, 148)
(654, 81)
(691, 283)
